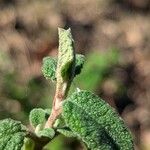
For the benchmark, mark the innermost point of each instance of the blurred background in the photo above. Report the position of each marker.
(113, 34)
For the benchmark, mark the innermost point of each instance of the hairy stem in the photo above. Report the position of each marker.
(60, 95)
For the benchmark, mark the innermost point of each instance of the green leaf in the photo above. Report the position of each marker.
(66, 56)
(86, 128)
(96, 122)
(50, 64)
(59, 123)
(47, 132)
(79, 63)
(49, 68)
(38, 116)
(66, 132)
(12, 134)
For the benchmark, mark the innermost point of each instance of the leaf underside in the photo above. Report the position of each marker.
(12, 134)
(96, 123)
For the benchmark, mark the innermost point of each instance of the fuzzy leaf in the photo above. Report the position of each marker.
(12, 134)
(66, 56)
(49, 68)
(96, 123)
(59, 123)
(86, 128)
(66, 132)
(47, 132)
(38, 116)
(79, 63)
(50, 64)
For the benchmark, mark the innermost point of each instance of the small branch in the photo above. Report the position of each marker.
(60, 95)
(54, 115)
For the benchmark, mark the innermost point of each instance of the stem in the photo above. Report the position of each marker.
(60, 95)
(62, 89)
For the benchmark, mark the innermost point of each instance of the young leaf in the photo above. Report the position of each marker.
(79, 63)
(50, 64)
(66, 132)
(47, 132)
(59, 123)
(66, 56)
(49, 68)
(38, 116)
(96, 123)
(12, 134)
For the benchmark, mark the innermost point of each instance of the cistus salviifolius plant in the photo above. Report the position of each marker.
(80, 114)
